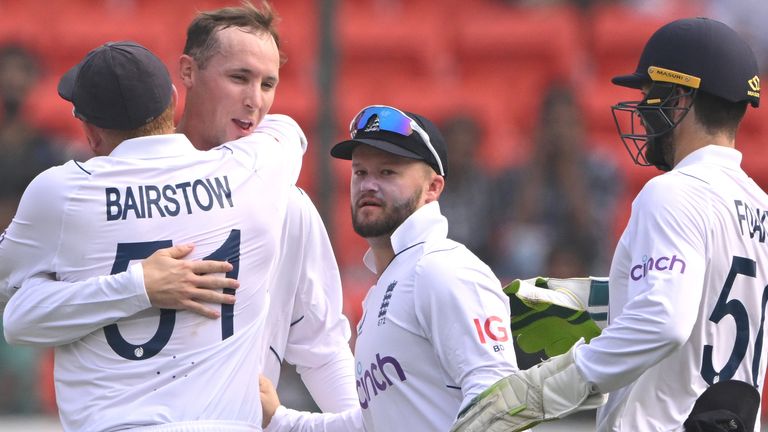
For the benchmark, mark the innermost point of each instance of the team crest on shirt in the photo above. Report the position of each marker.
(385, 303)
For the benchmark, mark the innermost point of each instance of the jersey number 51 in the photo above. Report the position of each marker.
(229, 251)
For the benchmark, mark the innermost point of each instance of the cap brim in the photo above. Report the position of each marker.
(344, 149)
(67, 82)
(635, 80)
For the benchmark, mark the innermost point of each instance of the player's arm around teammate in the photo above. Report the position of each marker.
(277, 418)
(44, 311)
(230, 70)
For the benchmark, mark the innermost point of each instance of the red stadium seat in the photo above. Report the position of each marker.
(596, 98)
(298, 29)
(506, 113)
(298, 99)
(503, 110)
(750, 141)
(753, 126)
(507, 57)
(98, 25)
(617, 39)
(47, 111)
(368, 46)
(507, 40)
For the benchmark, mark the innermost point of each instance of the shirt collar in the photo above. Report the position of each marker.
(154, 147)
(424, 224)
(712, 154)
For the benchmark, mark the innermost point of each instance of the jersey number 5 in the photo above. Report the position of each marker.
(126, 252)
(735, 308)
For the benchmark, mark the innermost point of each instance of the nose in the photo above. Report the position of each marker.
(368, 183)
(253, 98)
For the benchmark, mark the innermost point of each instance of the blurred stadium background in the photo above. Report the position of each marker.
(490, 59)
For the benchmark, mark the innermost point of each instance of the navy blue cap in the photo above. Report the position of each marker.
(119, 85)
(411, 146)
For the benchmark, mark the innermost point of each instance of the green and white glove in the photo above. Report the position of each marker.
(548, 391)
(551, 314)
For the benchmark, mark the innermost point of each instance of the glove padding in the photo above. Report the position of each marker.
(548, 391)
(552, 314)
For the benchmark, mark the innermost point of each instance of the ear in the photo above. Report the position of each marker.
(95, 140)
(434, 187)
(187, 67)
(684, 100)
(684, 96)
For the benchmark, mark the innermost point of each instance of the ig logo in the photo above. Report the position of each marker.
(491, 329)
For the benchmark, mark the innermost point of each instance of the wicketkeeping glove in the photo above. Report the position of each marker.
(551, 314)
(548, 391)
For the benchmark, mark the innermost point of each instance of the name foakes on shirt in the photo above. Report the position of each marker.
(751, 220)
(148, 201)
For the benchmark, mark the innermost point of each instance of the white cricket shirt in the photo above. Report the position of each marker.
(434, 331)
(154, 367)
(306, 325)
(688, 289)
(434, 334)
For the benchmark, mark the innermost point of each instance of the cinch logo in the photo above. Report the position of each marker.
(376, 379)
(660, 264)
(496, 333)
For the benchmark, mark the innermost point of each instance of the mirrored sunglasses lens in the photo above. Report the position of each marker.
(388, 120)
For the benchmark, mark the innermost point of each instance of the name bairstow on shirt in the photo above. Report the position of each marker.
(147, 201)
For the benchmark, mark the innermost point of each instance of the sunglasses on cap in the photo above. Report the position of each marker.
(392, 120)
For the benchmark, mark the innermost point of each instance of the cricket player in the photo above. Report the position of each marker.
(119, 362)
(230, 71)
(689, 277)
(435, 326)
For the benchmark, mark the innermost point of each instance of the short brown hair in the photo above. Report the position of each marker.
(717, 114)
(202, 41)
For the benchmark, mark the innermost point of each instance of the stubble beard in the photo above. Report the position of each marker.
(660, 151)
(392, 217)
